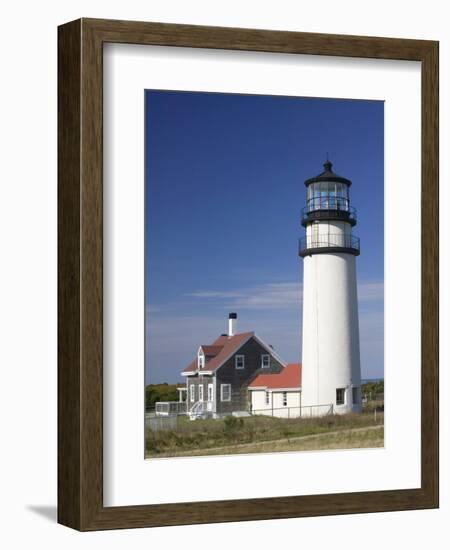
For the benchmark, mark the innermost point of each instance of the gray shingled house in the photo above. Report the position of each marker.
(218, 377)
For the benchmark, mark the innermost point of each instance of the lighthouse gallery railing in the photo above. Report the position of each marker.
(328, 210)
(332, 241)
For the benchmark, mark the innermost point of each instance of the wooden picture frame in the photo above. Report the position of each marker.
(80, 272)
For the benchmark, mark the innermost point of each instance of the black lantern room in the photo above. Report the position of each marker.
(328, 198)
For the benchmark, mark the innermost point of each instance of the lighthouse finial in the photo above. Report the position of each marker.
(327, 165)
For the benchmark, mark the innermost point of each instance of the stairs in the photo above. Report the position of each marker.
(200, 409)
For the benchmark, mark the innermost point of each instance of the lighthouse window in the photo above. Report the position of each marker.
(325, 194)
(342, 196)
(328, 194)
(331, 196)
(340, 396)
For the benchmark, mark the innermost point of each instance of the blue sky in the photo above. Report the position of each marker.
(224, 191)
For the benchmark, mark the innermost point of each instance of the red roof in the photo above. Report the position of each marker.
(211, 351)
(289, 377)
(225, 347)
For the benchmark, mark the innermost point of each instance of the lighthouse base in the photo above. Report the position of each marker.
(331, 372)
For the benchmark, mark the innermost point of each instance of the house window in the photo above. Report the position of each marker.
(201, 361)
(192, 392)
(285, 399)
(239, 361)
(340, 396)
(355, 395)
(210, 392)
(265, 361)
(267, 398)
(225, 392)
(200, 392)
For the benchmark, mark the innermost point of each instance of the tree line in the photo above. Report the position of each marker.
(159, 392)
(373, 388)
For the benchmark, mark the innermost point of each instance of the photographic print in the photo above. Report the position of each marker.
(240, 252)
(264, 274)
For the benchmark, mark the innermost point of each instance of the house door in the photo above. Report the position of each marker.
(210, 396)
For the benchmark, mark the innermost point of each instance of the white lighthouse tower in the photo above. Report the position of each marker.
(331, 373)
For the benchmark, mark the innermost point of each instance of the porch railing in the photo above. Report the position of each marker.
(168, 408)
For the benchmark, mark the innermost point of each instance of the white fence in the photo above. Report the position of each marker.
(296, 412)
(157, 423)
(168, 408)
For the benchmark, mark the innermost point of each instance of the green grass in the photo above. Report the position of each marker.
(230, 435)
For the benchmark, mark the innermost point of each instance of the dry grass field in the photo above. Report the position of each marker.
(262, 434)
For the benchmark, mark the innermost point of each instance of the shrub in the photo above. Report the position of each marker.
(232, 424)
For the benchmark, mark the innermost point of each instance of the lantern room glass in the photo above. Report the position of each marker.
(328, 195)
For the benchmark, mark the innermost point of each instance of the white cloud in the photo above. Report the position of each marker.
(278, 295)
(266, 296)
(214, 294)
